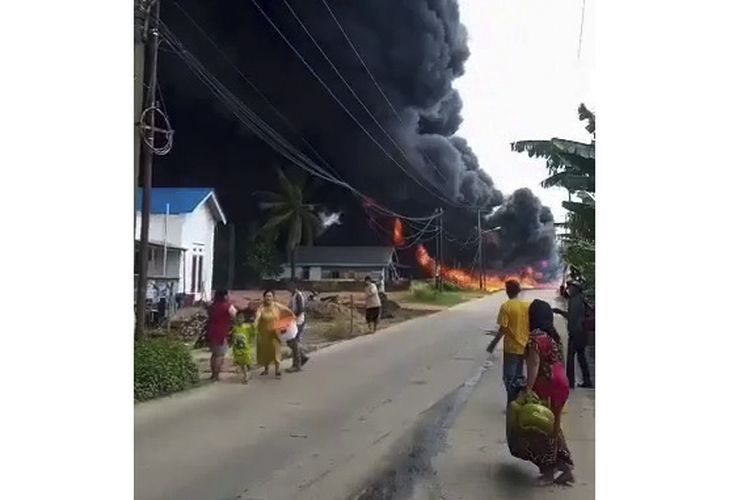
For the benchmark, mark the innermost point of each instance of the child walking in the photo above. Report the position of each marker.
(243, 342)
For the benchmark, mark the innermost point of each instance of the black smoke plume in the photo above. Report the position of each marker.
(414, 49)
(525, 234)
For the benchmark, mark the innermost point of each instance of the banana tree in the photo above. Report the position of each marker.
(572, 165)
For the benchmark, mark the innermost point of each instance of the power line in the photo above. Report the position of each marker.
(580, 35)
(257, 90)
(264, 131)
(372, 77)
(338, 101)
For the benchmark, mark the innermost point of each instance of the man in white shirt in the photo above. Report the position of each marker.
(297, 305)
(372, 304)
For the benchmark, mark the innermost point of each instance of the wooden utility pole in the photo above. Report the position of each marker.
(147, 158)
(138, 77)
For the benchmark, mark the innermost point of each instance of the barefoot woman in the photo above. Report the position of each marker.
(268, 319)
(547, 378)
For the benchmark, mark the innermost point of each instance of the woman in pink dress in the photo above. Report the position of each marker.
(546, 377)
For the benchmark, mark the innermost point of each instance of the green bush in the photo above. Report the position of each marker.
(428, 295)
(451, 287)
(424, 293)
(161, 367)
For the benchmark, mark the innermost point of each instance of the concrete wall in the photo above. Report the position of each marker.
(175, 225)
(195, 232)
(198, 237)
(156, 262)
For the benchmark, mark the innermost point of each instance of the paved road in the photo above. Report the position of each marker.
(380, 416)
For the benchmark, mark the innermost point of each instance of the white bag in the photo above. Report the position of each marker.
(290, 333)
(301, 319)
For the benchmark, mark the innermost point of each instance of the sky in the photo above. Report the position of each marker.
(523, 80)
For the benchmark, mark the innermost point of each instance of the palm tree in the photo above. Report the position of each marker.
(290, 212)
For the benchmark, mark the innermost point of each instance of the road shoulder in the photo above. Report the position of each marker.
(477, 464)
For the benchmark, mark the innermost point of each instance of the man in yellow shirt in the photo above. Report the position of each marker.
(513, 328)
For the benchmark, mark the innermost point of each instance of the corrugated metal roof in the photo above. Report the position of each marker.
(354, 256)
(180, 200)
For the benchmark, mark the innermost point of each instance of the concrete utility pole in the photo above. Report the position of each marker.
(147, 157)
(441, 253)
(481, 253)
(437, 252)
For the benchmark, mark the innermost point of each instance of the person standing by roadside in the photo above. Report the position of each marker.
(372, 304)
(513, 328)
(297, 305)
(221, 314)
(577, 338)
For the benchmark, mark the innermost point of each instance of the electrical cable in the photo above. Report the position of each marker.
(267, 133)
(338, 101)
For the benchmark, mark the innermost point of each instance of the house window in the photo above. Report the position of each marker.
(306, 273)
(196, 274)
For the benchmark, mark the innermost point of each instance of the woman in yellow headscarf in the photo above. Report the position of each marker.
(271, 319)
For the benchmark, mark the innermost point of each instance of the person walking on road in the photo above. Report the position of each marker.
(577, 338)
(513, 328)
(270, 319)
(244, 337)
(221, 314)
(372, 304)
(297, 305)
(546, 378)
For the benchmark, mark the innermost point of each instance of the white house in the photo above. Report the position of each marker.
(182, 224)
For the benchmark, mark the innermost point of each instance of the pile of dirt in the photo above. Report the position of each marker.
(329, 310)
(389, 307)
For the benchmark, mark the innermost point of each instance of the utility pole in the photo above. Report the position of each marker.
(147, 158)
(140, 23)
(442, 252)
(437, 253)
(481, 253)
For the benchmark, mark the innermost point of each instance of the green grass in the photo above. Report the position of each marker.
(427, 294)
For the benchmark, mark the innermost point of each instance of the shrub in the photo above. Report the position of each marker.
(451, 287)
(161, 367)
(428, 295)
(424, 293)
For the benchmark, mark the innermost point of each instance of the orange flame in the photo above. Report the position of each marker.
(398, 233)
(528, 278)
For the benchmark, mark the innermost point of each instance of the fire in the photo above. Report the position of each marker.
(528, 278)
(398, 233)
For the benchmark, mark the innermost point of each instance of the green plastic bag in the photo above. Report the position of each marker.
(515, 414)
(243, 344)
(535, 417)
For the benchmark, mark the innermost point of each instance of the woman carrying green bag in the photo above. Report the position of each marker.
(534, 431)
